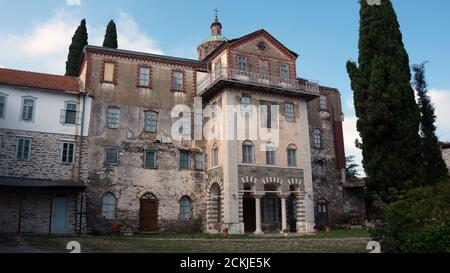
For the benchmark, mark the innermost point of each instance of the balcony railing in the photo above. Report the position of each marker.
(254, 78)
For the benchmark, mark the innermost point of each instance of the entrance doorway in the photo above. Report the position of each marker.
(60, 213)
(293, 213)
(249, 213)
(149, 213)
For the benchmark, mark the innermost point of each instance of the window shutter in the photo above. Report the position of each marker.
(63, 116)
(274, 117)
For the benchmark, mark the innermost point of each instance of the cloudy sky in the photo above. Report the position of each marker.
(35, 35)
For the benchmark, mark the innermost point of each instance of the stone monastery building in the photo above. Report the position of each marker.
(144, 142)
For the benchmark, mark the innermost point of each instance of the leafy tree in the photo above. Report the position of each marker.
(111, 36)
(79, 41)
(351, 167)
(435, 167)
(388, 116)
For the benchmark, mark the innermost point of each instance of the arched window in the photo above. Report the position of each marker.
(185, 208)
(317, 138)
(215, 156)
(247, 152)
(109, 206)
(292, 155)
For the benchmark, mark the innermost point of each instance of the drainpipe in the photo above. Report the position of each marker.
(79, 161)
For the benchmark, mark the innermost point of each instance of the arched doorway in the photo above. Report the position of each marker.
(249, 210)
(215, 207)
(271, 209)
(292, 209)
(149, 212)
(322, 214)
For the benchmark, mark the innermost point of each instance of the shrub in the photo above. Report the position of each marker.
(418, 222)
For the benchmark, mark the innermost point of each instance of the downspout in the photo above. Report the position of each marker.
(79, 161)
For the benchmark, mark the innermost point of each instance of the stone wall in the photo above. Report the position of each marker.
(129, 181)
(45, 162)
(29, 211)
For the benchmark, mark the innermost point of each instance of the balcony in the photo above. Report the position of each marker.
(217, 78)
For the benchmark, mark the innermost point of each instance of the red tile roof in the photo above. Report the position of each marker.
(38, 80)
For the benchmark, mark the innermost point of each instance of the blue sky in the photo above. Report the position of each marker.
(36, 34)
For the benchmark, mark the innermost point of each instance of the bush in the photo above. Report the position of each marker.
(419, 222)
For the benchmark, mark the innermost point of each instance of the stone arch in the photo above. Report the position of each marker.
(248, 180)
(272, 180)
(215, 180)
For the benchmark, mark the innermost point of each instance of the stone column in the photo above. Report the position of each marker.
(301, 213)
(283, 213)
(258, 215)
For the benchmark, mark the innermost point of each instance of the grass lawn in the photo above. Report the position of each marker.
(339, 241)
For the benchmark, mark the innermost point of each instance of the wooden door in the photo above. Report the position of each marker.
(149, 215)
(249, 214)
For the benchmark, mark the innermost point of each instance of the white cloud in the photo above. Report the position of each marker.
(350, 135)
(44, 48)
(130, 37)
(73, 2)
(441, 101)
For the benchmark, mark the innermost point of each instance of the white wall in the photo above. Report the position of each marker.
(47, 112)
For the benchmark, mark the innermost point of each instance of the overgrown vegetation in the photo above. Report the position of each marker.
(419, 222)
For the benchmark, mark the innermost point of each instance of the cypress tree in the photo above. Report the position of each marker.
(79, 41)
(435, 167)
(388, 116)
(111, 36)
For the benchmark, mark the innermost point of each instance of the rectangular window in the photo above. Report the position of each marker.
(2, 106)
(177, 81)
(264, 69)
(70, 113)
(320, 171)
(323, 103)
(185, 162)
(111, 156)
(28, 108)
(292, 158)
(144, 76)
(247, 154)
(113, 117)
(150, 160)
(151, 119)
(218, 69)
(68, 152)
(246, 106)
(23, 148)
(290, 117)
(108, 73)
(242, 63)
(268, 114)
(185, 124)
(284, 72)
(199, 161)
(270, 157)
(215, 157)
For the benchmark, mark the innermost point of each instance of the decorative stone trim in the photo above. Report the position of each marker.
(248, 180)
(214, 180)
(272, 180)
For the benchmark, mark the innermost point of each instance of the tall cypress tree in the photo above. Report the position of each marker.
(435, 167)
(79, 41)
(388, 116)
(111, 36)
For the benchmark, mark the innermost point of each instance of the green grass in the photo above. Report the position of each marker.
(6, 240)
(339, 241)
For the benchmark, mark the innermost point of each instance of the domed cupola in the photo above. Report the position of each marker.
(213, 41)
